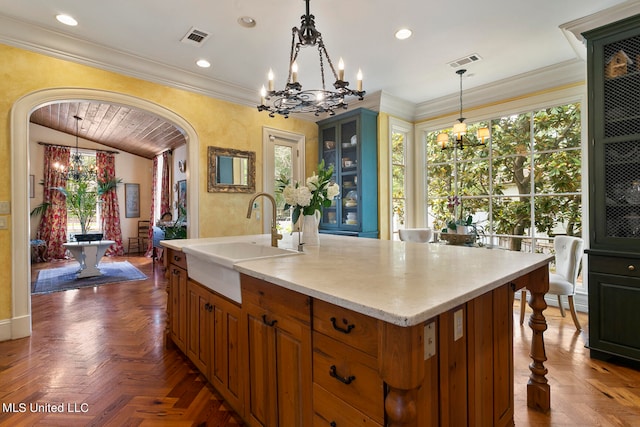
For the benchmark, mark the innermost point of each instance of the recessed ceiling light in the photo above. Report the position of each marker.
(403, 33)
(67, 20)
(247, 21)
(203, 63)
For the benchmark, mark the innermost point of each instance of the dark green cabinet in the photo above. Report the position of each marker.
(613, 76)
(349, 142)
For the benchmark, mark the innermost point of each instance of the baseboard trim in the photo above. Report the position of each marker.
(12, 329)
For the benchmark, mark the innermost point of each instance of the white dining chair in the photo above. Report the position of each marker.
(563, 282)
(420, 235)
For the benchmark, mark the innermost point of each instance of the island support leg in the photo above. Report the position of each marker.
(401, 366)
(538, 390)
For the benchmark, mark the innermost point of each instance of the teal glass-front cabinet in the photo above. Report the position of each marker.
(349, 142)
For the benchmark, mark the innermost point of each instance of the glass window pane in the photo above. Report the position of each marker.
(434, 153)
(398, 177)
(558, 215)
(512, 175)
(558, 172)
(397, 148)
(473, 178)
(511, 135)
(440, 180)
(512, 216)
(557, 128)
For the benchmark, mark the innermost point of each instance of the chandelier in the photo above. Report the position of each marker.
(292, 99)
(77, 170)
(460, 129)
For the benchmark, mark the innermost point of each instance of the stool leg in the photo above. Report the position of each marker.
(523, 304)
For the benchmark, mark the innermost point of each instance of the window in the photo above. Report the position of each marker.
(522, 188)
(82, 200)
(400, 136)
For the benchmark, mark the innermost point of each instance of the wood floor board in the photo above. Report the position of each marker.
(104, 346)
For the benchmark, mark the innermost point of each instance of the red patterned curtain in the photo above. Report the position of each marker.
(152, 220)
(53, 224)
(165, 190)
(110, 209)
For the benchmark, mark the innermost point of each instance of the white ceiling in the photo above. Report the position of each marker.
(142, 38)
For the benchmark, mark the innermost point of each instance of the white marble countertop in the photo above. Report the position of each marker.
(398, 282)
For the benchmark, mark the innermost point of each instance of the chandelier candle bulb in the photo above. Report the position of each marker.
(341, 70)
(263, 95)
(359, 80)
(294, 72)
(271, 84)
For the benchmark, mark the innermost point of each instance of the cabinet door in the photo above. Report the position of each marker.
(178, 303)
(614, 314)
(614, 131)
(278, 388)
(260, 403)
(199, 319)
(225, 362)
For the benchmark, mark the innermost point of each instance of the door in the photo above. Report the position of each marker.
(283, 156)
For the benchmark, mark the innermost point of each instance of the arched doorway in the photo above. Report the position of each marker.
(20, 262)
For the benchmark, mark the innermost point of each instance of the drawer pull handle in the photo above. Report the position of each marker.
(333, 424)
(631, 268)
(176, 258)
(340, 329)
(176, 272)
(266, 322)
(334, 374)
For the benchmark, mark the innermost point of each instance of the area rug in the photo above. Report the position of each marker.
(64, 278)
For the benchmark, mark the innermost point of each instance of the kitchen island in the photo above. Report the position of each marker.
(386, 333)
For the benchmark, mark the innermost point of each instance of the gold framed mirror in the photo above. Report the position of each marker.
(230, 170)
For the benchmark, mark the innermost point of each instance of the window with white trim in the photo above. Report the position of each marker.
(521, 188)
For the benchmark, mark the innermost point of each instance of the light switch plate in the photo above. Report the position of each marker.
(5, 207)
(429, 340)
(458, 325)
(3, 222)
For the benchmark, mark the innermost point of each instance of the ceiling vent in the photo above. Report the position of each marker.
(195, 37)
(474, 57)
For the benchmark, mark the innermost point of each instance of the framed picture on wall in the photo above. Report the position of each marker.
(182, 196)
(132, 200)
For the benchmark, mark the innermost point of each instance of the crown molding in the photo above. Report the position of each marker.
(573, 30)
(66, 47)
(564, 73)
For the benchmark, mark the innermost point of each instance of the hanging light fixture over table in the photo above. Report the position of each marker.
(292, 99)
(460, 129)
(77, 171)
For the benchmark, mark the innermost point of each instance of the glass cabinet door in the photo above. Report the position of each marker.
(330, 149)
(350, 218)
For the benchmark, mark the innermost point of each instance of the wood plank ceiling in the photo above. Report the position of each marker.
(119, 127)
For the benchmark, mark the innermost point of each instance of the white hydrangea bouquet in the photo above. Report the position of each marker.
(318, 192)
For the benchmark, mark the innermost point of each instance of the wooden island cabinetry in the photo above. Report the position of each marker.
(177, 298)
(296, 355)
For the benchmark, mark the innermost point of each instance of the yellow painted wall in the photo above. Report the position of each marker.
(384, 176)
(216, 123)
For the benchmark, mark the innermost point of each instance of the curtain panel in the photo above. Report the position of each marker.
(152, 219)
(110, 209)
(53, 223)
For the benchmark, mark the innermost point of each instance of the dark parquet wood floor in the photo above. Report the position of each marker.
(100, 352)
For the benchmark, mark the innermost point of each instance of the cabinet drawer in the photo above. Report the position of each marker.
(332, 411)
(349, 374)
(615, 265)
(274, 298)
(349, 327)
(177, 258)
